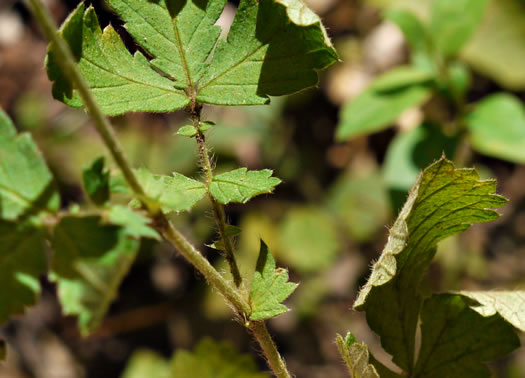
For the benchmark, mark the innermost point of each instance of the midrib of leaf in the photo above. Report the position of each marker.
(111, 287)
(184, 62)
(91, 277)
(20, 199)
(232, 67)
(116, 73)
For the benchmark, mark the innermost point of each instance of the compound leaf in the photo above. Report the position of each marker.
(497, 127)
(443, 202)
(269, 288)
(377, 107)
(96, 181)
(22, 262)
(241, 185)
(172, 193)
(26, 184)
(456, 340)
(274, 47)
(90, 261)
(453, 22)
(212, 359)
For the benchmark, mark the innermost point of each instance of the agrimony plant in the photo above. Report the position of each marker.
(274, 47)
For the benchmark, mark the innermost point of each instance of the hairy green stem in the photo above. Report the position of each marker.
(161, 222)
(273, 357)
(218, 209)
(68, 64)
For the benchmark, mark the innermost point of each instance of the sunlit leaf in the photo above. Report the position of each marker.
(172, 193)
(270, 287)
(241, 185)
(272, 48)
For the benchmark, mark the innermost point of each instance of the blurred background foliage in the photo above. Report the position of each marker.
(347, 156)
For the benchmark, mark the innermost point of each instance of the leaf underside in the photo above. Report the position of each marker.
(443, 202)
(456, 340)
(274, 47)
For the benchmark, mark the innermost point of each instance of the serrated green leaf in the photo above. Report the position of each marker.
(355, 356)
(375, 110)
(241, 185)
(96, 181)
(309, 239)
(172, 193)
(22, 262)
(135, 224)
(497, 49)
(212, 359)
(453, 22)
(413, 29)
(188, 131)
(497, 127)
(510, 305)
(272, 48)
(269, 287)
(119, 81)
(89, 263)
(26, 184)
(443, 202)
(146, 363)
(456, 340)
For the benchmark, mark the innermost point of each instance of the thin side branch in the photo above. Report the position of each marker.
(218, 209)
